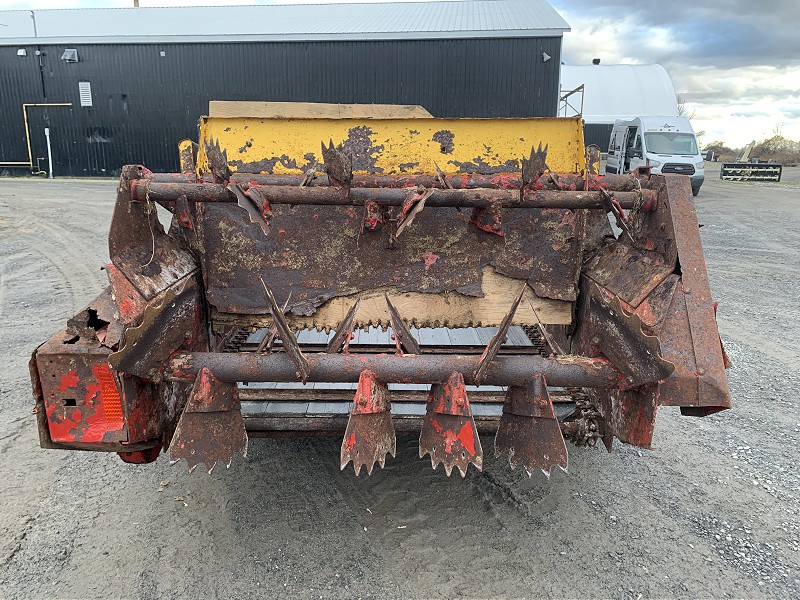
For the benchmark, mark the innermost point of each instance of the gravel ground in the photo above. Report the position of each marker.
(712, 511)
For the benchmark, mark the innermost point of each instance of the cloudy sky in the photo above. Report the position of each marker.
(736, 63)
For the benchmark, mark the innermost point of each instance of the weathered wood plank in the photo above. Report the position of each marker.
(314, 110)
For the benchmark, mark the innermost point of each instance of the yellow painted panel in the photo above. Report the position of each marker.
(395, 146)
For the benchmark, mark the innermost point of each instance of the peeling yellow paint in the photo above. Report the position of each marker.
(395, 146)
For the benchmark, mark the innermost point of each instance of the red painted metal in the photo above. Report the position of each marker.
(448, 433)
(211, 428)
(118, 377)
(369, 435)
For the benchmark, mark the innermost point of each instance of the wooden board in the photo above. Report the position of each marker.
(428, 310)
(315, 110)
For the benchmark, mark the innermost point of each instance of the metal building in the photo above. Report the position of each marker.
(612, 92)
(117, 86)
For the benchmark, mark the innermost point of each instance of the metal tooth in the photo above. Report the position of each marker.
(489, 219)
(211, 428)
(623, 341)
(341, 340)
(613, 206)
(448, 431)
(369, 436)
(529, 433)
(217, 161)
(403, 337)
(287, 336)
(497, 340)
(272, 332)
(338, 165)
(443, 181)
(309, 176)
(535, 166)
(592, 162)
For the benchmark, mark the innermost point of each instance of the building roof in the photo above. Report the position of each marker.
(283, 22)
(614, 92)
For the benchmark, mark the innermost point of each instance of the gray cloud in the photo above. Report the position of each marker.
(716, 33)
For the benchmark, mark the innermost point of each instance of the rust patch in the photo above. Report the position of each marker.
(265, 165)
(445, 139)
(364, 153)
(480, 165)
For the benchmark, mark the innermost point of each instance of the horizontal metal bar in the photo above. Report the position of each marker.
(571, 182)
(324, 426)
(567, 371)
(471, 198)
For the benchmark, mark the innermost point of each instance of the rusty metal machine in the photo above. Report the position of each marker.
(337, 275)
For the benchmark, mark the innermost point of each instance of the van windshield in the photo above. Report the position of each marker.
(666, 142)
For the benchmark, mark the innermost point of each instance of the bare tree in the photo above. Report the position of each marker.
(683, 111)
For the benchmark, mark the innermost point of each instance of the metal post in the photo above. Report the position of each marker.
(49, 154)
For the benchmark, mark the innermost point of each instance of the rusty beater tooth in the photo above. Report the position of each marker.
(344, 331)
(412, 206)
(448, 431)
(404, 341)
(217, 160)
(338, 165)
(529, 433)
(534, 166)
(499, 338)
(287, 335)
(369, 436)
(211, 428)
(622, 339)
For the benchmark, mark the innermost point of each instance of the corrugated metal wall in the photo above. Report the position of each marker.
(598, 134)
(144, 103)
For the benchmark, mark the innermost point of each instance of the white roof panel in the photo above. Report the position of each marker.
(282, 22)
(614, 92)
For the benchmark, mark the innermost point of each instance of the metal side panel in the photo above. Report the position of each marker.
(394, 146)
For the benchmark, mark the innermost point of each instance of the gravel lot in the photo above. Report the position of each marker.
(713, 511)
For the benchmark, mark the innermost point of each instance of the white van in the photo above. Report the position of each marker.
(665, 144)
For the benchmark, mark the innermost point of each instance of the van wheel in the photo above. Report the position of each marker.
(695, 191)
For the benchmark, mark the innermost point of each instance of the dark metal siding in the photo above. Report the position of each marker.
(598, 134)
(144, 103)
